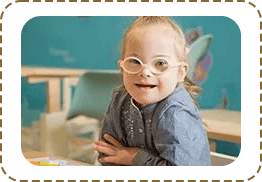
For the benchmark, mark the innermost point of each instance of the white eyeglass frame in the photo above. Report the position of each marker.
(147, 65)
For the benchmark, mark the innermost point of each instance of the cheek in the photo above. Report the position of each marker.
(127, 78)
(169, 82)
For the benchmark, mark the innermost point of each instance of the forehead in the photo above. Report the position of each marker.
(151, 39)
(151, 32)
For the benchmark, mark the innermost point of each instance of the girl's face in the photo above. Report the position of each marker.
(147, 43)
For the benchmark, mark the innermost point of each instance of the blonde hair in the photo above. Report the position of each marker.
(180, 45)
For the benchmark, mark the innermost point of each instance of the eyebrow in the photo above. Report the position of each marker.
(133, 54)
(156, 56)
(161, 55)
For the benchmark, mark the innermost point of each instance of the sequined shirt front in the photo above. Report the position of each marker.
(137, 123)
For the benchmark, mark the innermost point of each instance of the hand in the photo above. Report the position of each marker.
(115, 151)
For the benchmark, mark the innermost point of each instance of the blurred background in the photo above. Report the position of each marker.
(94, 43)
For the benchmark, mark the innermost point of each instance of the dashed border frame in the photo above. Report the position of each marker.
(249, 178)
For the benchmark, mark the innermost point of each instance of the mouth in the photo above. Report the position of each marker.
(145, 85)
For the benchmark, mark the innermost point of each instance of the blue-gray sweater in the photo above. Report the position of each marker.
(169, 132)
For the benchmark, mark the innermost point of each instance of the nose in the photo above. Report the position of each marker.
(145, 73)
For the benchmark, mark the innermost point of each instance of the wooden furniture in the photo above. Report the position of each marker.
(53, 135)
(53, 77)
(34, 154)
(30, 155)
(221, 159)
(223, 124)
(61, 137)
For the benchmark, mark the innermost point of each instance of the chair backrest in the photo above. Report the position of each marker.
(93, 93)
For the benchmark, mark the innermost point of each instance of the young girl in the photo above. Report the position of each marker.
(153, 120)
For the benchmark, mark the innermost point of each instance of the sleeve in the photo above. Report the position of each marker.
(179, 139)
(111, 123)
(149, 158)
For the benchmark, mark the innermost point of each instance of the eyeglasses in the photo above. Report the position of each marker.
(133, 65)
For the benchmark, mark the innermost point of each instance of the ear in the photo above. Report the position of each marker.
(183, 71)
(121, 69)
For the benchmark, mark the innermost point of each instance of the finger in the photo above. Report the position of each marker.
(104, 150)
(96, 142)
(104, 144)
(113, 141)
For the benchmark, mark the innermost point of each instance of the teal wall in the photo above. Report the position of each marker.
(226, 69)
(94, 43)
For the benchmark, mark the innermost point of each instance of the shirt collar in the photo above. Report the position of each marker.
(145, 110)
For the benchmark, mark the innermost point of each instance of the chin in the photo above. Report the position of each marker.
(146, 101)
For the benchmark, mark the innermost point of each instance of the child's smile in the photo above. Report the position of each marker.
(145, 86)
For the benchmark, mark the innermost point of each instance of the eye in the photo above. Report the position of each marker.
(133, 61)
(161, 63)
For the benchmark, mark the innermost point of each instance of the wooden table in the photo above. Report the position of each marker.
(29, 155)
(52, 77)
(224, 125)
